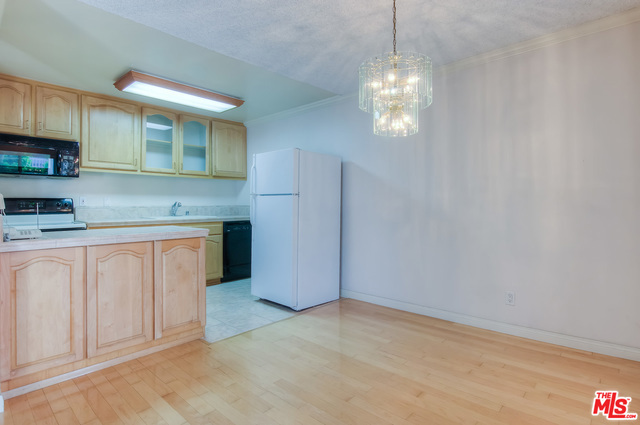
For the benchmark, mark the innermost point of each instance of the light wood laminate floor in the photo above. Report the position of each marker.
(346, 362)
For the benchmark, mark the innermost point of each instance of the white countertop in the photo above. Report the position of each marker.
(75, 238)
(164, 220)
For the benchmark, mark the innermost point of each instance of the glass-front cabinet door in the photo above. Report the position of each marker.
(159, 141)
(194, 150)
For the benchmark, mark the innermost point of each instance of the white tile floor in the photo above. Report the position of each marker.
(232, 310)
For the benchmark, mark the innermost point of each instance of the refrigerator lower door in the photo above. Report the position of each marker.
(318, 229)
(274, 248)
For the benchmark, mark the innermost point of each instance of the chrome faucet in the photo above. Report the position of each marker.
(174, 208)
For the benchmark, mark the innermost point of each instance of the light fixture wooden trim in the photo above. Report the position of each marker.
(135, 76)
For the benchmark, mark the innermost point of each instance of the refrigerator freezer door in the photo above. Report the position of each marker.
(276, 173)
(274, 262)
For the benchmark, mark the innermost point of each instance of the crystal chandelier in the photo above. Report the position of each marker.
(394, 86)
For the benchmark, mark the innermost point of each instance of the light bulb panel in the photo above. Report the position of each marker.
(172, 91)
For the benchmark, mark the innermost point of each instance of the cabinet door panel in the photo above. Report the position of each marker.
(159, 136)
(179, 285)
(42, 318)
(110, 134)
(119, 296)
(194, 148)
(15, 107)
(213, 248)
(229, 150)
(57, 113)
(214, 257)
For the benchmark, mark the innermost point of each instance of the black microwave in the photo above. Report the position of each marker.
(37, 156)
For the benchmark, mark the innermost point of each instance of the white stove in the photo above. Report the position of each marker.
(45, 214)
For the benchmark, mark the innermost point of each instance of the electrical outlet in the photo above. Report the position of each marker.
(510, 298)
(82, 201)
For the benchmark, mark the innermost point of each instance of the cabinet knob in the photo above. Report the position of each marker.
(40, 125)
(27, 124)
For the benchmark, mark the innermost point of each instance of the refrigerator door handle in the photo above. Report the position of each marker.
(252, 182)
(252, 210)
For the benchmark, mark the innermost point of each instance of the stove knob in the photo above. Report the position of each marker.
(58, 204)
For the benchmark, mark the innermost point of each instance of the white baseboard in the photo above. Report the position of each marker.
(585, 344)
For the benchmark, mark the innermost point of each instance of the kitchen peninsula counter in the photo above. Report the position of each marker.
(141, 218)
(79, 238)
(78, 301)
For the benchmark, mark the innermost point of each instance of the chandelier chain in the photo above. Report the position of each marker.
(394, 27)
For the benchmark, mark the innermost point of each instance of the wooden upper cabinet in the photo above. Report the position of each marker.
(124, 136)
(179, 283)
(229, 150)
(194, 146)
(110, 134)
(56, 110)
(57, 113)
(159, 141)
(15, 107)
(119, 296)
(42, 310)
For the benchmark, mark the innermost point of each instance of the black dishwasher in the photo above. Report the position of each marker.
(236, 250)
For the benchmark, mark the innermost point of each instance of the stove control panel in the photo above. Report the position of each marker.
(38, 206)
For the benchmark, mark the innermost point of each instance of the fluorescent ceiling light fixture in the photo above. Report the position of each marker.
(172, 91)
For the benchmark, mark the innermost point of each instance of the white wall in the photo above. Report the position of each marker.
(111, 189)
(525, 176)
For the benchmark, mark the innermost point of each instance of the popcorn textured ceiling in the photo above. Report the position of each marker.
(322, 42)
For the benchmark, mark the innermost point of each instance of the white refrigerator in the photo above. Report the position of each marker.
(295, 218)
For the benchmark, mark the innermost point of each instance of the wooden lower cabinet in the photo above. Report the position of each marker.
(213, 257)
(119, 296)
(41, 310)
(213, 250)
(213, 246)
(65, 309)
(179, 277)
